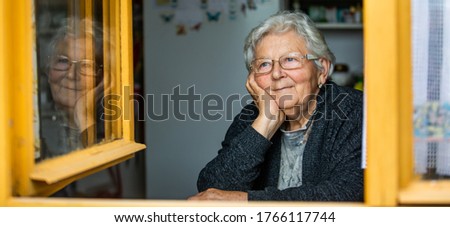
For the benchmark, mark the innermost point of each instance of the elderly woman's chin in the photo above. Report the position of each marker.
(67, 100)
(66, 103)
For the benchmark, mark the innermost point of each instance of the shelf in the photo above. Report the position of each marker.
(342, 26)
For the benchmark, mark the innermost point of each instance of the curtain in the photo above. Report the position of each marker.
(431, 86)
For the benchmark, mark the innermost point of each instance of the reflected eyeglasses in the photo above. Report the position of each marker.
(86, 67)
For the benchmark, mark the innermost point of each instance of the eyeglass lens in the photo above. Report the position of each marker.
(289, 61)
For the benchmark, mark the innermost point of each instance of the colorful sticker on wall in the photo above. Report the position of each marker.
(232, 9)
(190, 14)
(213, 16)
(196, 27)
(244, 9)
(162, 2)
(215, 9)
(181, 29)
(251, 4)
(167, 16)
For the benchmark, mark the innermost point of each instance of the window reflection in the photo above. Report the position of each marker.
(71, 77)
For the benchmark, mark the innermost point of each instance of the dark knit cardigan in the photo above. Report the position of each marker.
(331, 166)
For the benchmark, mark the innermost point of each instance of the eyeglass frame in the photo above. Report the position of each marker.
(76, 62)
(308, 57)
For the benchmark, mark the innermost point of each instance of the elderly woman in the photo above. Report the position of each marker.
(301, 138)
(75, 79)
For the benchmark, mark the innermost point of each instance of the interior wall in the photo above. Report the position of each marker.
(201, 63)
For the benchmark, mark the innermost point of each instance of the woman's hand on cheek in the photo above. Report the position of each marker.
(270, 116)
(84, 111)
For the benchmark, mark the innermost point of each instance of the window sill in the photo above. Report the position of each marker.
(436, 192)
(80, 162)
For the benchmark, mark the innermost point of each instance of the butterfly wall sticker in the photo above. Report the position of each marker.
(196, 27)
(213, 16)
(167, 17)
(181, 29)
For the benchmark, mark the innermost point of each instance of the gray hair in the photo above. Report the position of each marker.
(285, 21)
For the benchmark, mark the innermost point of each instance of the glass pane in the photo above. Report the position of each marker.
(431, 81)
(70, 40)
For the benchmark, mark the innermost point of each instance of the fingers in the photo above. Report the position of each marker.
(249, 85)
(204, 195)
(253, 88)
(194, 197)
(208, 194)
(99, 88)
(217, 194)
(84, 115)
(258, 94)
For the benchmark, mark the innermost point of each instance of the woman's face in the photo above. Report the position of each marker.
(294, 87)
(68, 80)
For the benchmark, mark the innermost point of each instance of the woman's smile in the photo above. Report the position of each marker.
(281, 89)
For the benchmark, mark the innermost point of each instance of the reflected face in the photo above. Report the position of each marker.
(72, 71)
(289, 87)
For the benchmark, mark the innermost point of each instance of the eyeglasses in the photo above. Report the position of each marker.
(62, 63)
(293, 60)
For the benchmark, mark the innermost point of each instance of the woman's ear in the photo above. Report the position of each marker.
(324, 71)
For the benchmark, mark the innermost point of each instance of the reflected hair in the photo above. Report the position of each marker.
(286, 21)
(78, 28)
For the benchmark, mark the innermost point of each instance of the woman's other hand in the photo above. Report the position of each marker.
(217, 194)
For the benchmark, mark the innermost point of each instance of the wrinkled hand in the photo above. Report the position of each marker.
(217, 194)
(270, 117)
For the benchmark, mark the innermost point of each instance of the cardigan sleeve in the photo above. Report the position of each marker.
(237, 164)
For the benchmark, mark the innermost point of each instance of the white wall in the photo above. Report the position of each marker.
(212, 61)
